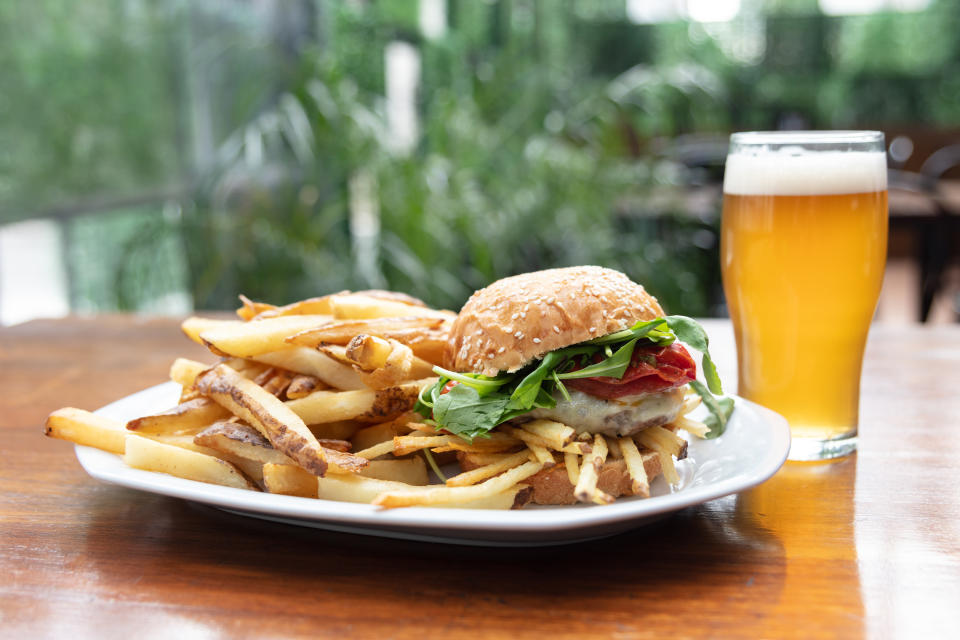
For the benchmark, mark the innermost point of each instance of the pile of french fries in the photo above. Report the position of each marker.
(314, 399)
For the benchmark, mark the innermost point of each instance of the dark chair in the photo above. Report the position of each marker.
(938, 238)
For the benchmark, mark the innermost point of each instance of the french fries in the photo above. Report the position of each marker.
(284, 428)
(186, 417)
(141, 453)
(314, 400)
(328, 406)
(89, 429)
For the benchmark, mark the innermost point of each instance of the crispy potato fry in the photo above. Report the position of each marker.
(364, 490)
(640, 484)
(339, 430)
(243, 441)
(375, 434)
(377, 450)
(356, 306)
(385, 363)
(613, 446)
(192, 327)
(411, 471)
(310, 306)
(89, 429)
(284, 428)
(289, 480)
(184, 371)
(276, 382)
(427, 344)
(327, 406)
(664, 442)
(586, 488)
(403, 445)
(142, 453)
(479, 474)
(342, 331)
(542, 454)
(556, 434)
(251, 309)
(572, 463)
(690, 402)
(313, 363)
(578, 447)
(247, 339)
(186, 417)
(303, 385)
(661, 439)
(690, 425)
(441, 495)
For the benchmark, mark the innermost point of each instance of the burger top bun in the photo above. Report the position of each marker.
(519, 319)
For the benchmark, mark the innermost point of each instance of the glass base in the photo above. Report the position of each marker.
(816, 449)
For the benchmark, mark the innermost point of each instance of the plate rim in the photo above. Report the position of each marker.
(522, 521)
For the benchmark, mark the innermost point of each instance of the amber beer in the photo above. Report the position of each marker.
(803, 247)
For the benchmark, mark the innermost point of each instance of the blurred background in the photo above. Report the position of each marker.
(164, 155)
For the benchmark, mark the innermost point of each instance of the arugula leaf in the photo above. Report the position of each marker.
(689, 330)
(719, 408)
(464, 412)
(614, 366)
(526, 392)
(482, 383)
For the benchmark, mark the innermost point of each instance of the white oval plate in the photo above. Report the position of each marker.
(751, 450)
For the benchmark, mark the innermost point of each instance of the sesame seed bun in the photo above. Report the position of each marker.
(519, 319)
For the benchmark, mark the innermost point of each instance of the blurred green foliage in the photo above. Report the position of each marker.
(550, 134)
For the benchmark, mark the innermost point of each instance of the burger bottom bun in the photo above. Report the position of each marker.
(552, 486)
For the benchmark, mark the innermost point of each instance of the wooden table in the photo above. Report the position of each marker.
(866, 546)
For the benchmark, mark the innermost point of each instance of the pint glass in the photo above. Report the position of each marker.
(803, 247)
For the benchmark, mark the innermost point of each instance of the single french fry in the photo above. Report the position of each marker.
(289, 480)
(327, 406)
(695, 427)
(303, 385)
(640, 484)
(480, 474)
(310, 306)
(251, 309)
(89, 429)
(376, 450)
(403, 445)
(542, 454)
(377, 433)
(613, 446)
(662, 439)
(385, 363)
(363, 490)
(441, 495)
(313, 363)
(586, 488)
(339, 430)
(192, 327)
(284, 428)
(690, 402)
(355, 306)
(248, 339)
(342, 332)
(149, 455)
(411, 471)
(556, 434)
(186, 417)
(572, 463)
(184, 371)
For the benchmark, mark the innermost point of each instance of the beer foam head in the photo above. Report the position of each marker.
(792, 171)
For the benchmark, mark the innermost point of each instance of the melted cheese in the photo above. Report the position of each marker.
(617, 416)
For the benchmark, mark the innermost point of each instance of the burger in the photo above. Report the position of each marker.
(582, 346)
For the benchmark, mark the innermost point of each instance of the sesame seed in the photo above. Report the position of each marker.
(501, 349)
(556, 329)
(536, 340)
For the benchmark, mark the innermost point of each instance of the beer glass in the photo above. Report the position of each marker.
(803, 247)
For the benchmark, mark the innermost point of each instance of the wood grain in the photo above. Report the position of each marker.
(867, 546)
